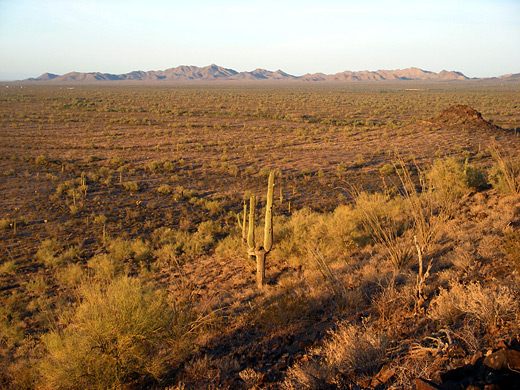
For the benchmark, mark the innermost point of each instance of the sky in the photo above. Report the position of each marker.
(480, 38)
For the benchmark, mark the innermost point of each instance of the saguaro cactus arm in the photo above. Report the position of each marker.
(251, 228)
(268, 230)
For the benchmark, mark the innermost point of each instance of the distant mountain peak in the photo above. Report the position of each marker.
(214, 72)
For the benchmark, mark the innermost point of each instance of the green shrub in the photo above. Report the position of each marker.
(447, 179)
(168, 166)
(117, 161)
(231, 246)
(476, 178)
(71, 276)
(131, 186)
(164, 189)
(105, 267)
(48, 253)
(182, 193)
(213, 206)
(141, 251)
(8, 267)
(120, 249)
(37, 285)
(387, 170)
(119, 332)
(11, 324)
(41, 160)
(154, 166)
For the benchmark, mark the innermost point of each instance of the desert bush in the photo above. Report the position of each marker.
(154, 166)
(41, 160)
(486, 305)
(387, 169)
(296, 235)
(164, 189)
(48, 253)
(476, 177)
(231, 246)
(193, 244)
(182, 193)
(8, 267)
(384, 218)
(510, 246)
(52, 254)
(168, 166)
(162, 235)
(213, 206)
(6, 223)
(504, 175)
(117, 161)
(36, 285)
(11, 324)
(141, 250)
(120, 331)
(100, 219)
(350, 348)
(71, 276)
(447, 179)
(120, 249)
(105, 266)
(65, 187)
(131, 186)
(166, 255)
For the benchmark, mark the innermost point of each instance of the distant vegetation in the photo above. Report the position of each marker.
(124, 263)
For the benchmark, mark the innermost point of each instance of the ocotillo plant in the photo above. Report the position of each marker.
(259, 251)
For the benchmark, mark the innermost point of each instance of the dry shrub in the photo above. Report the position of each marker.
(393, 302)
(418, 363)
(505, 174)
(105, 266)
(121, 330)
(71, 276)
(355, 347)
(485, 305)
(350, 349)
(510, 246)
(120, 249)
(384, 218)
(8, 267)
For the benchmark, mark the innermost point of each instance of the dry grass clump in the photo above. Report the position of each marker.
(487, 306)
(52, 254)
(384, 218)
(350, 350)
(8, 267)
(104, 266)
(505, 174)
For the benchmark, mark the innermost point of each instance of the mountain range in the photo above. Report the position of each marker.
(214, 72)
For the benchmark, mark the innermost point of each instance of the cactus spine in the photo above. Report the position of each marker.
(258, 251)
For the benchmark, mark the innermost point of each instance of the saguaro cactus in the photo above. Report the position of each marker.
(258, 251)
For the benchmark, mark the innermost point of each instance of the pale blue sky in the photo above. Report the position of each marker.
(477, 37)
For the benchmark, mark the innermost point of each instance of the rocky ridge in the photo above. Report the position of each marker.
(215, 73)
